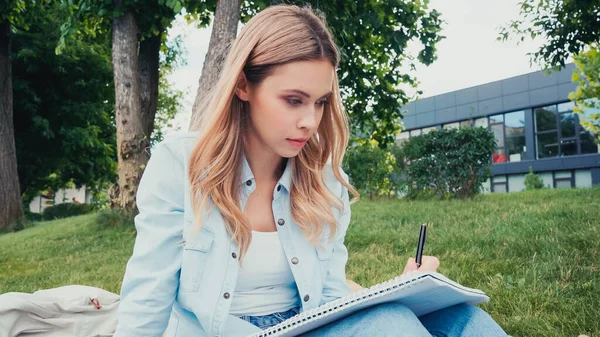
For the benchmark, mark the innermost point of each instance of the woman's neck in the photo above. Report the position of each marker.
(265, 165)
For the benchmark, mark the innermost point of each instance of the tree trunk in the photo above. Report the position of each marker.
(224, 30)
(132, 141)
(149, 65)
(11, 205)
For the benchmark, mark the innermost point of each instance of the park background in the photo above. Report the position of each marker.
(64, 150)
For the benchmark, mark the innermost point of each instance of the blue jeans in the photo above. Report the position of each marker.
(392, 319)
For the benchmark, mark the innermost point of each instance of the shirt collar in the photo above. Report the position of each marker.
(285, 180)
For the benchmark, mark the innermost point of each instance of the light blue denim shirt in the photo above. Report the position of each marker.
(184, 284)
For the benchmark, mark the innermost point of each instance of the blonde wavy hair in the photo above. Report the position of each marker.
(277, 35)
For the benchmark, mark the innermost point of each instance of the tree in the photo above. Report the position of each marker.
(64, 104)
(138, 36)
(566, 27)
(64, 118)
(10, 195)
(372, 37)
(587, 94)
(224, 30)
(132, 141)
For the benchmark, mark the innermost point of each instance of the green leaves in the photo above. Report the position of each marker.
(449, 162)
(370, 169)
(565, 27)
(587, 94)
(372, 37)
(63, 106)
(445, 163)
(14, 11)
(533, 181)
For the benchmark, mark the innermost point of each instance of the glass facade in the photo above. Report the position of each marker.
(551, 131)
(509, 133)
(559, 133)
(557, 129)
(588, 144)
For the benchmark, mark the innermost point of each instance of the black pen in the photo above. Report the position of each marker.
(421, 244)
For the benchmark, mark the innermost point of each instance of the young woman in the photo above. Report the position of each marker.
(242, 223)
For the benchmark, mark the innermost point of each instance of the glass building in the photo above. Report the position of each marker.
(532, 121)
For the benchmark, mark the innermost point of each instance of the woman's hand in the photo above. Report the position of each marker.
(428, 263)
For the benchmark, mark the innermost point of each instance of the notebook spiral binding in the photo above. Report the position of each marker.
(325, 310)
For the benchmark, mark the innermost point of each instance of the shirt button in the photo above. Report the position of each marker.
(226, 296)
(295, 260)
(281, 222)
(278, 188)
(306, 298)
(248, 182)
(234, 255)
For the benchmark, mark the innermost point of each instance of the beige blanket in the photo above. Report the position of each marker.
(69, 311)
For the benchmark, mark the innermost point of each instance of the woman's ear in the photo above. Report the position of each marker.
(242, 88)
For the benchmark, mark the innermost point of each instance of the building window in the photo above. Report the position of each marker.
(499, 184)
(509, 133)
(451, 126)
(588, 139)
(415, 132)
(563, 179)
(558, 132)
(465, 124)
(497, 128)
(481, 122)
(429, 129)
(514, 133)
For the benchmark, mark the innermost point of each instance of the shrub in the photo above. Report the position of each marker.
(33, 216)
(369, 168)
(451, 163)
(115, 218)
(66, 210)
(397, 175)
(100, 198)
(533, 181)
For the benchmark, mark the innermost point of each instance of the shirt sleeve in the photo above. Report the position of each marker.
(335, 285)
(152, 274)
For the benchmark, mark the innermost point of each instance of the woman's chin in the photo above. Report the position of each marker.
(289, 153)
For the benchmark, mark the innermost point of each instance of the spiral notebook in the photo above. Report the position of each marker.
(422, 292)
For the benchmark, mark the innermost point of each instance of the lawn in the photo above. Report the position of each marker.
(537, 254)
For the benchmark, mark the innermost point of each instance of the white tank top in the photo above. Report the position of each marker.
(265, 283)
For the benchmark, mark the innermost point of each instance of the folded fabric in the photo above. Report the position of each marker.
(69, 311)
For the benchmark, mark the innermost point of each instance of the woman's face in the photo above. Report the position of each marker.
(287, 106)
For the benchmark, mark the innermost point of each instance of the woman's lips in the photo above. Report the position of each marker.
(297, 142)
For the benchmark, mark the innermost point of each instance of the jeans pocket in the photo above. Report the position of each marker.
(288, 314)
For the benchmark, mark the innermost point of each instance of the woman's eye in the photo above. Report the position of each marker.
(294, 101)
(322, 103)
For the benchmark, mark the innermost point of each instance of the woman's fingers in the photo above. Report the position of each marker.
(428, 263)
(411, 265)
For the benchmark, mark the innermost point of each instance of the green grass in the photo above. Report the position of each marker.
(537, 254)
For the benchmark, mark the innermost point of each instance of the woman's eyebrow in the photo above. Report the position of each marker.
(305, 94)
